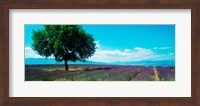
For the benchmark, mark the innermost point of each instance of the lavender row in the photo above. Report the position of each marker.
(125, 75)
(165, 72)
(145, 75)
(89, 75)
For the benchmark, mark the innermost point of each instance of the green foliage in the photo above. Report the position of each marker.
(74, 67)
(170, 79)
(64, 42)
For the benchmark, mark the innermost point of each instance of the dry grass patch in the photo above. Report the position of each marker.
(75, 69)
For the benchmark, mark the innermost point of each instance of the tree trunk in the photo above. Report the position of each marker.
(66, 65)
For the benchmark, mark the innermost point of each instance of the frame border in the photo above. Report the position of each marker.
(5, 5)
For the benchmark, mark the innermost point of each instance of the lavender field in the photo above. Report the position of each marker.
(98, 73)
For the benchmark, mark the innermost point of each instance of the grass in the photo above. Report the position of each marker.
(170, 79)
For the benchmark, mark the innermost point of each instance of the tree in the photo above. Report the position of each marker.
(64, 42)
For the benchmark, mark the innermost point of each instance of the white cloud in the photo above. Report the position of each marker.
(138, 48)
(29, 53)
(97, 44)
(127, 50)
(162, 48)
(137, 54)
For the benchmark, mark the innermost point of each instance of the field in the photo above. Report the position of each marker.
(98, 73)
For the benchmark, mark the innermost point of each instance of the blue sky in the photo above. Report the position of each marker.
(123, 42)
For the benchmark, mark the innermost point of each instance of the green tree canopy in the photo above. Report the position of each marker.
(64, 42)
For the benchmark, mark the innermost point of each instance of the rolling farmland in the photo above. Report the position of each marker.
(98, 73)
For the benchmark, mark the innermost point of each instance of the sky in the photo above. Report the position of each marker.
(123, 43)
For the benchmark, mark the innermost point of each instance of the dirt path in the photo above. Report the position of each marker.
(156, 74)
